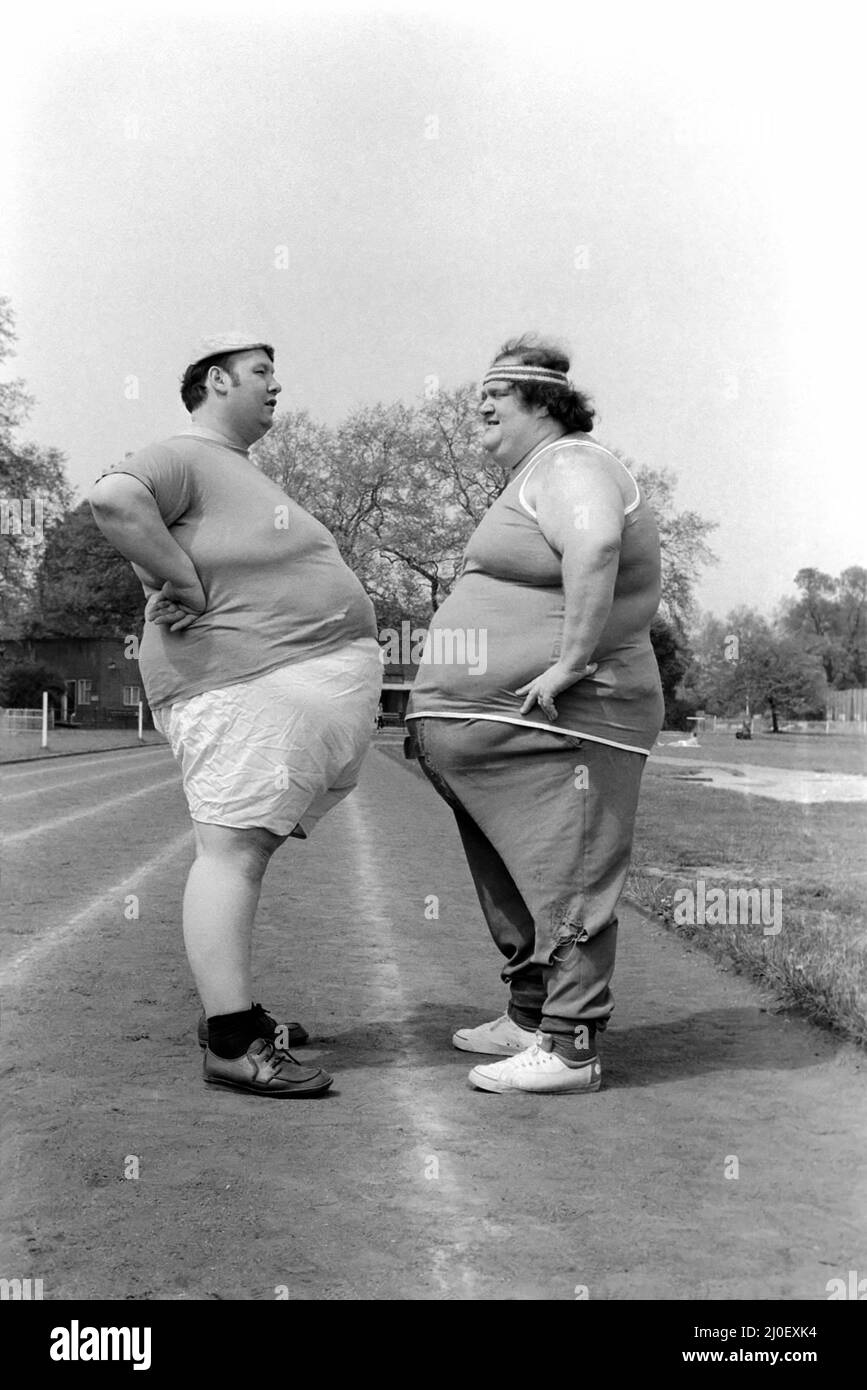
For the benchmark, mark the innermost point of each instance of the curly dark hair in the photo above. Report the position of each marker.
(570, 408)
(194, 392)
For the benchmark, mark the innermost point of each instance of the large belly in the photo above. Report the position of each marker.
(489, 637)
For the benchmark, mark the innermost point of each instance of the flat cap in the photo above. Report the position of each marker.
(225, 342)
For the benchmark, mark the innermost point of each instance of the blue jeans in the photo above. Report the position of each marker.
(546, 822)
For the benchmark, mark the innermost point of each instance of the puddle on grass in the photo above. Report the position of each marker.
(777, 783)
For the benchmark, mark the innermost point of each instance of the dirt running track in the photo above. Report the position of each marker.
(404, 1183)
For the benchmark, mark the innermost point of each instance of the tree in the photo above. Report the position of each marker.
(830, 619)
(22, 684)
(448, 486)
(84, 588)
(15, 403)
(742, 664)
(34, 494)
(673, 658)
(350, 479)
(451, 442)
(298, 455)
(682, 542)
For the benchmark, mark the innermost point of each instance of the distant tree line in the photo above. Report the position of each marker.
(783, 666)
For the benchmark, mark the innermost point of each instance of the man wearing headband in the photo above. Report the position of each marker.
(261, 665)
(540, 750)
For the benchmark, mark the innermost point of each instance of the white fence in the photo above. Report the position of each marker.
(23, 721)
(762, 724)
(847, 710)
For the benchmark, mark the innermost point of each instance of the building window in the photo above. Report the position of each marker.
(131, 694)
(82, 694)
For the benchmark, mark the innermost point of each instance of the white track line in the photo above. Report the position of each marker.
(51, 787)
(49, 825)
(109, 897)
(65, 764)
(449, 1267)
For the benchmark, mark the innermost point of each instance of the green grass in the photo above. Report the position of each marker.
(813, 854)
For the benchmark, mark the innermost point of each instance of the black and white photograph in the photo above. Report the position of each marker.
(433, 668)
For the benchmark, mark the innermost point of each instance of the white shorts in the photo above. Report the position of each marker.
(279, 750)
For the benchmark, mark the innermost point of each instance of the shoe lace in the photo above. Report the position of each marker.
(533, 1056)
(263, 1016)
(520, 1061)
(270, 1053)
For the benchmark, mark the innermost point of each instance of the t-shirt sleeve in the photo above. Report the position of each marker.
(165, 475)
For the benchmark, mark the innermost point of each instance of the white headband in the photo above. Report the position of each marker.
(519, 371)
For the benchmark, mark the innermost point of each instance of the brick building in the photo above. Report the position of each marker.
(100, 676)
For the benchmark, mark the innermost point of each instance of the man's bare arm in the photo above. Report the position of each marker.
(149, 582)
(128, 517)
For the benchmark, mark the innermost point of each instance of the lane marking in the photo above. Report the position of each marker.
(108, 897)
(449, 1266)
(62, 764)
(53, 787)
(49, 825)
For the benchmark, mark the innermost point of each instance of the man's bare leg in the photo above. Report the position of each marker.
(220, 902)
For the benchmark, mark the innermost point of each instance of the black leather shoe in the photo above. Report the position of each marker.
(293, 1036)
(263, 1071)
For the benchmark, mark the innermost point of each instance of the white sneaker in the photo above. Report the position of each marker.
(538, 1070)
(502, 1038)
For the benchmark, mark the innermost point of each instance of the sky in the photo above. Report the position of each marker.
(388, 192)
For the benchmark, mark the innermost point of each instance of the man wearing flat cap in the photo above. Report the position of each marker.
(261, 665)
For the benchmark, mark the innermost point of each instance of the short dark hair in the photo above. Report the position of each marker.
(194, 392)
(570, 408)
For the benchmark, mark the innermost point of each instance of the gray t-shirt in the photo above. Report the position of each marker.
(276, 586)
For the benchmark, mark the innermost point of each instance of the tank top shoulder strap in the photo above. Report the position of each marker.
(527, 476)
(576, 444)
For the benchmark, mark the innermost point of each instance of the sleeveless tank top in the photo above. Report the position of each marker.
(502, 625)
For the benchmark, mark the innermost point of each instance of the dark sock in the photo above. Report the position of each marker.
(229, 1035)
(529, 1022)
(563, 1046)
